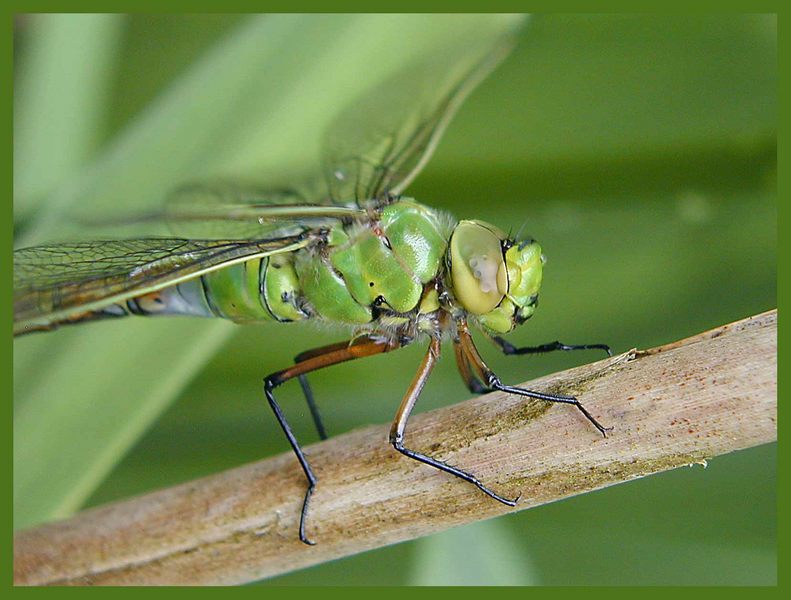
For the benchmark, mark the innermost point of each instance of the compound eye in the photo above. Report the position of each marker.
(478, 271)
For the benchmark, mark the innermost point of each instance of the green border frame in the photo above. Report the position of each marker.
(13, 8)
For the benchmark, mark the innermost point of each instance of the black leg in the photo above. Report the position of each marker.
(306, 363)
(398, 430)
(314, 409)
(495, 384)
(509, 349)
(469, 352)
(269, 385)
(305, 384)
(453, 471)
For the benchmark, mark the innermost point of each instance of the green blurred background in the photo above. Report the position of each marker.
(639, 150)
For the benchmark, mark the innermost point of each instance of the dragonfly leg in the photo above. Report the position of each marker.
(307, 362)
(470, 380)
(398, 429)
(469, 351)
(509, 349)
(314, 409)
(476, 386)
(305, 384)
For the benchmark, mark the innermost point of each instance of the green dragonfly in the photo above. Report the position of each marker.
(347, 249)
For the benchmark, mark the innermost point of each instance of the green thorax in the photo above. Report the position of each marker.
(379, 265)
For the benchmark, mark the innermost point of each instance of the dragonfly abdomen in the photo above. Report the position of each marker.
(260, 289)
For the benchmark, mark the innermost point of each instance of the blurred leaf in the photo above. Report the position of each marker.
(158, 48)
(63, 79)
(483, 553)
(246, 106)
(626, 87)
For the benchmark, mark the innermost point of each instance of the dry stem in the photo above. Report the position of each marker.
(674, 405)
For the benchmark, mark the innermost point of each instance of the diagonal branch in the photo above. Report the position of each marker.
(673, 405)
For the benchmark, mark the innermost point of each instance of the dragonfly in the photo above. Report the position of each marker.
(346, 248)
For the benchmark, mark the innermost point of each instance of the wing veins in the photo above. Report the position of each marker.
(43, 304)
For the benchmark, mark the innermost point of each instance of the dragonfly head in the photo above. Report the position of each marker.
(494, 278)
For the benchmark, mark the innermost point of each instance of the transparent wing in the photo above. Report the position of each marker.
(382, 141)
(58, 280)
(231, 210)
(375, 147)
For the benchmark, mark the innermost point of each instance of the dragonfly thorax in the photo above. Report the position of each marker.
(491, 277)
